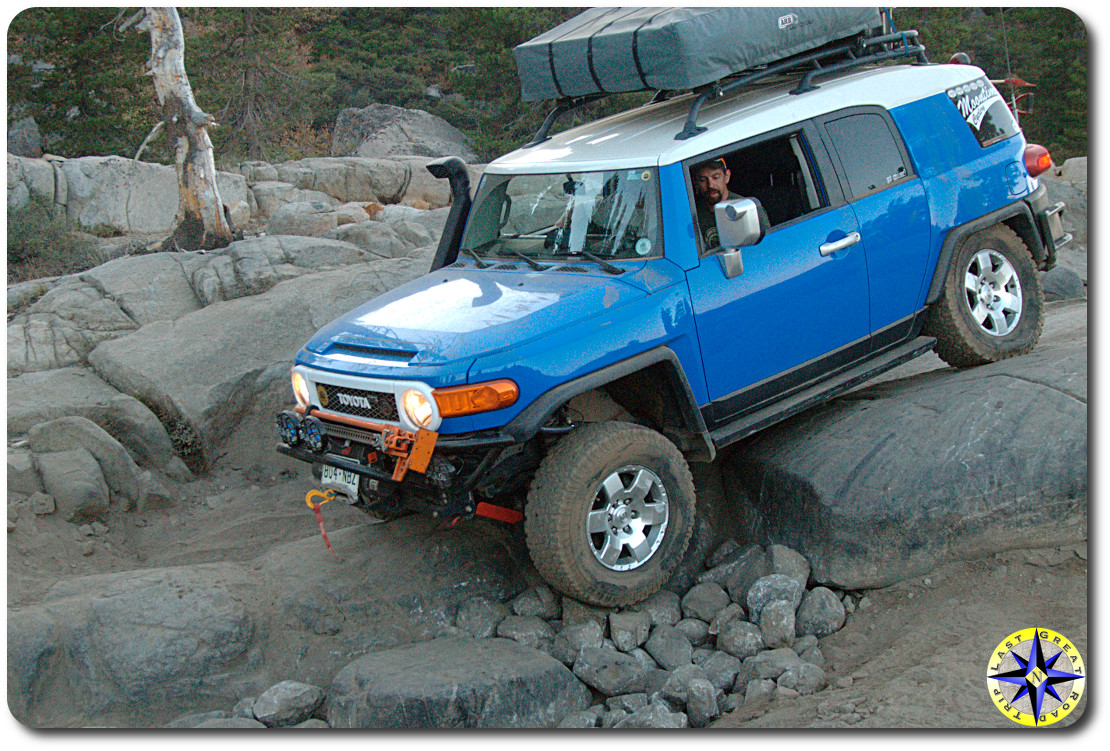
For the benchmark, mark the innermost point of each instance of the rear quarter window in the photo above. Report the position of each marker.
(984, 110)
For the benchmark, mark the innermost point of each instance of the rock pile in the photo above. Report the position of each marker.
(747, 633)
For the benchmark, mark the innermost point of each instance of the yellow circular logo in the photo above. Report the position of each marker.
(322, 393)
(1035, 676)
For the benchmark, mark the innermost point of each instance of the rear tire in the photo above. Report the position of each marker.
(992, 304)
(610, 513)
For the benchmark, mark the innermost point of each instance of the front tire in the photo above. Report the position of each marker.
(992, 305)
(610, 513)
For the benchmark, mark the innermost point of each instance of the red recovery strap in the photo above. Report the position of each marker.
(327, 495)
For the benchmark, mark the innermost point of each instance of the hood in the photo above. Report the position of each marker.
(458, 314)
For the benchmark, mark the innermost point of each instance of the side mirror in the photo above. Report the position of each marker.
(741, 223)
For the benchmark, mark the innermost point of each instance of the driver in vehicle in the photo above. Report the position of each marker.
(710, 188)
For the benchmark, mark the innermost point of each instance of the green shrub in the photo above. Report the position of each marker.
(43, 241)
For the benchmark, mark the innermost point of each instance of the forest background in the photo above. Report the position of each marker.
(275, 78)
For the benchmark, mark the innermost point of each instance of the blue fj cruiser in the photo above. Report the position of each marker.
(596, 318)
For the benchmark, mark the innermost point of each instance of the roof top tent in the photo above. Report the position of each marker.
(611, 50)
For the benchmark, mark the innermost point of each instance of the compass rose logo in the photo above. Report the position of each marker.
(1035, 677)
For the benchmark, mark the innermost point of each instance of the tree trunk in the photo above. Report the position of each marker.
(201, 222)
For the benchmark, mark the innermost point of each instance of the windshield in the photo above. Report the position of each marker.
(612, 215)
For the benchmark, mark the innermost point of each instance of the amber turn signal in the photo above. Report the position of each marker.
(457, 401)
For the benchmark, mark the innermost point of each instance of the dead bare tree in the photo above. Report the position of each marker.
(201, 220)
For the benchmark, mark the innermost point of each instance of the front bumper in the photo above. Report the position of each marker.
(421, 471)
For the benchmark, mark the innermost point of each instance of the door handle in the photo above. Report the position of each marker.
(827, 249)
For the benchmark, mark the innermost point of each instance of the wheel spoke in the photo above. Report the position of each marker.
(971, 283)
(1009, 303)
(613, 487)
(611, 552)
(1003, 277)
(597, 521)
(654, 513)
(983, 261)
(640, 546)
(980, 312)
(999, 322)
(641, 485)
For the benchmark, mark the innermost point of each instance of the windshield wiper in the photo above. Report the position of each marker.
(477, 258)
(607, 267)
(531, 263)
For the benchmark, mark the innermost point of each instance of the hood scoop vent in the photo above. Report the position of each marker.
(365, 350)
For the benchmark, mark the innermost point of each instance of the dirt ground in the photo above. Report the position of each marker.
(914, 656)
(915, 653)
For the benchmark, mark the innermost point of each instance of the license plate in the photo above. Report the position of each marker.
(341, 480)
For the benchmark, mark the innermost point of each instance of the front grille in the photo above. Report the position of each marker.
(373, 405)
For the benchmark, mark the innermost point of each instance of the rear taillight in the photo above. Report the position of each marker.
(1037, 159)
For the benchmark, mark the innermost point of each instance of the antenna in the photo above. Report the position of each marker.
(1009, 71)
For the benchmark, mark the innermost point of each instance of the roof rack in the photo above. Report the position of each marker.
(864, 52)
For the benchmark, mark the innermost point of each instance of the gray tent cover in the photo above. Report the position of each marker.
(609, 50)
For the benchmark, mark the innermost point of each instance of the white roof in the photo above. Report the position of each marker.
(645, 136)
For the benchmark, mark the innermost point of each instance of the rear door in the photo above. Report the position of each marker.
(795, 312)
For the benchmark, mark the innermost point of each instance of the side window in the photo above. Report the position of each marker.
(868, 152)
(776, 172)
(984, 110)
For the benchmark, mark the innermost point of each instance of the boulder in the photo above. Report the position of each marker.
(804, 678)
(27, 179)
(25, 138)
(789, 563)
(776, 623)
(228, 354)
(376, 238)
(35, 398)
(654, 715)
(62, 327)
(820, 614)
(1062, 283)
(351, 213)
(385, 130)
(123, 195)
(148, 288)
(884, 484)
(139, 487)
(271, 195)
(287, 703)
(136, 638)
(455, 683)
(76, 483)
(669, 647)
(537, 601)
(350, 178)
(701, 703)
(528, 630)
(772, 587)
(254, 265)
(740, 639)
(309, 218)
(629, 629)
(704, 601)
(23, 475)
(664, 608)
(609, 671)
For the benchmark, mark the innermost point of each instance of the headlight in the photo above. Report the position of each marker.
(300, 389)
(417, 407)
